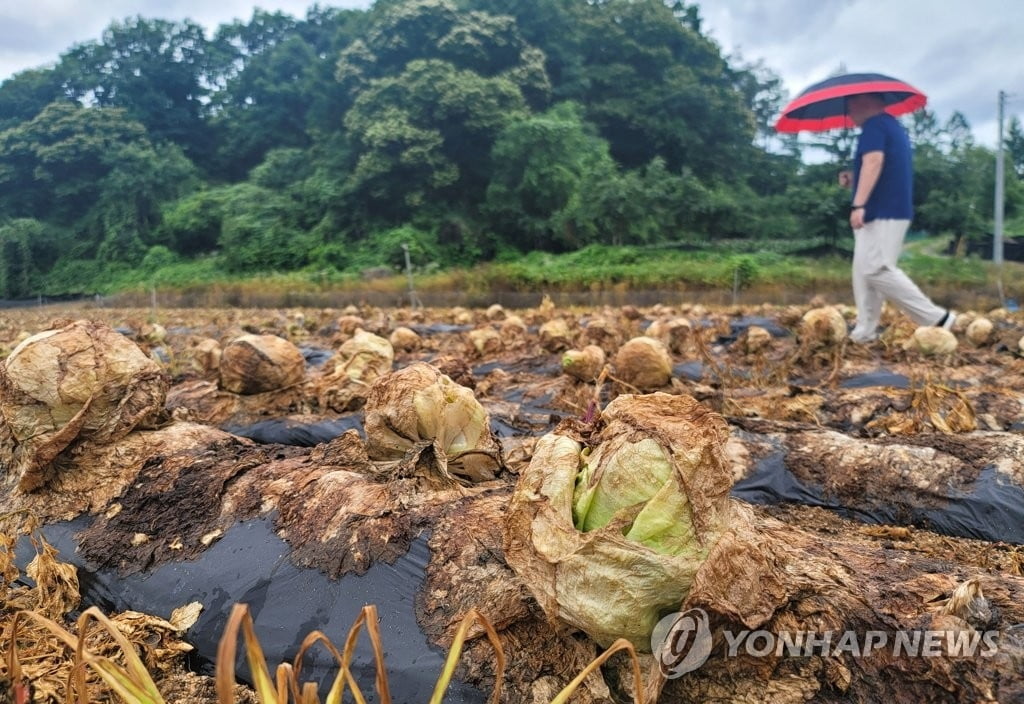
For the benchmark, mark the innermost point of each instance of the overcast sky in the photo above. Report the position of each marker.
(959, 52)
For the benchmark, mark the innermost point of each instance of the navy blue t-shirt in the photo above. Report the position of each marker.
(893, 195)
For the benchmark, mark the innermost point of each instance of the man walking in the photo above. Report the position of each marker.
(880, 215)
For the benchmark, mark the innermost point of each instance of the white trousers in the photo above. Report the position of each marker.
(877, 278)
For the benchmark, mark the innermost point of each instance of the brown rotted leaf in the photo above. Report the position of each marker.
(252, 364)
(81, 383)
(419, 404)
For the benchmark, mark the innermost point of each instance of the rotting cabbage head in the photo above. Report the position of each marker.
(405, 339)
(603, 333)
(675, 333)
(203, 356)
(418, 406)
(486, 341)
(644, 363)
(585, 364)
(349, 323)
(608, 529)
(82, 382)
(980, 332)
(512, 329)
(555, 335)
(253, 364)
(932, 341)
(363, 358)
(755, 339)
(821, 327)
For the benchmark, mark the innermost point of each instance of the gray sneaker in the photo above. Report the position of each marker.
(948, 319)
(860, 337)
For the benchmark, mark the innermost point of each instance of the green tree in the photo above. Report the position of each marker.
(258, 231)
(385, 249)
(21, 243)
(840, 145)
(53, 166)
(554, 27)
(658, 88)
(649, 79)
(94, 173)
(923, 128)
(243, 41)
(953, 190)
(128, 210)
(764, 95)
(954, 182)
(541, 165)
(417, 30)
(329, 31)
(192, 225)
(614, 208)
(426, 135)
(820, 207)
(265, 106)
(1014, 144)
(25, 94)
(157, 71)
(282, 169)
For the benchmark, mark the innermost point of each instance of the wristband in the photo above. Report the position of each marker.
(856, 207)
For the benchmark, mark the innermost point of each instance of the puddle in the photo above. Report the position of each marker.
(439, 329)
(542, 366)
(772, 482)
(315, 357)
(533, 416)
(284, 431)
(504, 429)
(880, 377)
(993, 510)
(250, 565)
(694, 371)
(485, 369)
(741, 324)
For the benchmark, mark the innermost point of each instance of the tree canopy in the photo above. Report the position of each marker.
(466, 129)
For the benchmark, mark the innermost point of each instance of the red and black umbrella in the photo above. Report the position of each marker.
(823, 106)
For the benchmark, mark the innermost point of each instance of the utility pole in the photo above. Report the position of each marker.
(414, 300)
(997, 241)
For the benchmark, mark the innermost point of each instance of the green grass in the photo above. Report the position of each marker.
(631, 268)
(716, 266)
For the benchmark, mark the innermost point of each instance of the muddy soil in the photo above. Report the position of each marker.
(894, 476)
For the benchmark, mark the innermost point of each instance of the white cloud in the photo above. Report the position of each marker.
(960, 54)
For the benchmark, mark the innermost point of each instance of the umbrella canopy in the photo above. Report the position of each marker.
(823, 106)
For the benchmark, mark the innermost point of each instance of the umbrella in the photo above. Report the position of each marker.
(823, 106)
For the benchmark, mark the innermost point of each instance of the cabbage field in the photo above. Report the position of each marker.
(523, 490)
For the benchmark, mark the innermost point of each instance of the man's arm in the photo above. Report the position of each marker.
(870, 170)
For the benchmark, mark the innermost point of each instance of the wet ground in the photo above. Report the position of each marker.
(792, 405)
(250, 565)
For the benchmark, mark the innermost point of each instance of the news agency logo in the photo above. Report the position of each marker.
(681, 642)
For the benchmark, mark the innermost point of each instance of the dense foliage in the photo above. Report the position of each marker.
(465, 129)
